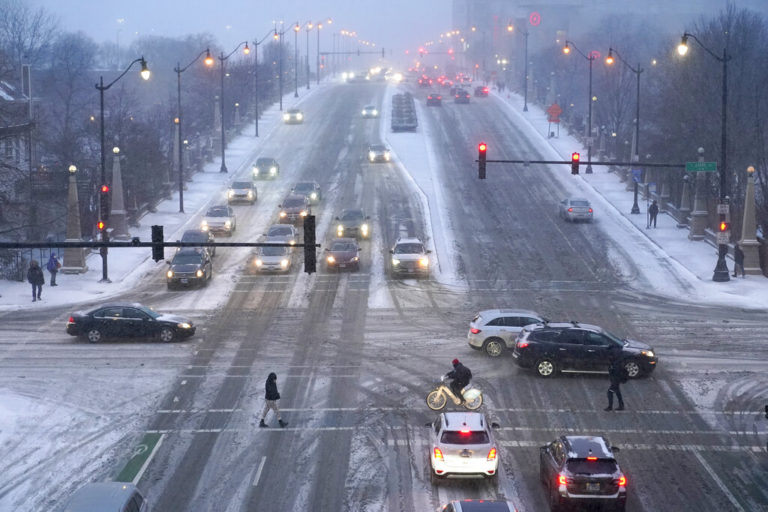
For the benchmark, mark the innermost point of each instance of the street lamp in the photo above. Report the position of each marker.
(222, 58)
(256, 44)
(590, 58)
(610, 60)
(145, 74)
(296, 29)
(317, 64)
(721, 269)
(179, 70)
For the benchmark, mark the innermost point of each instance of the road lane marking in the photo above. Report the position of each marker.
(142, 455)
(258, 471)
(719, 482)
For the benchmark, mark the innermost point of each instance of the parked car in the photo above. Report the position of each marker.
(495, 330)
(128, 320)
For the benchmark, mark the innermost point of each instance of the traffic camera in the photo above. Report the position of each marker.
(575, 157)
(481, 151)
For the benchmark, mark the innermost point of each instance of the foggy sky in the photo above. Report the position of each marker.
(393, 24)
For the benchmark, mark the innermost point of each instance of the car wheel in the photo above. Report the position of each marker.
(433, 478)
(474, 404)
(94, 335)
(633, 369)
(494, 347)
(436, 400)
(546, 367)
(493, 479)
(166, 335)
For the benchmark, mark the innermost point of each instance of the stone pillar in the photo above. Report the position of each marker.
(699, 215)
(117, 216)
(685, 202)
(74, 257)
(749, 244)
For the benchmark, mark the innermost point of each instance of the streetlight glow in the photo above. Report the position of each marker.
(566, 49)
(682, 48)
(145, 73)
(208, 58)
(609, 59)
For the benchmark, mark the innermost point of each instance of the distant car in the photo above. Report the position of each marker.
(582, 471)
(343, 253)
(293, 116)
(461, 96)
(462, 446)
(128, 320)
(266, 167)
(481, 91)
(575, 208)
(198, 235)
(285, 233)
(478, 505)
(275, 258)
(434, 100)
(370, 111)
(378, 153)
(495, 330)
(353, 222)
(308, 189)
(294, 208)
(219, 219)
(244, 191)
(409, 256)
(112, 496)
(425, 81)
(189, 267)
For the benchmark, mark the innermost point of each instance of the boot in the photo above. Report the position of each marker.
(620, 407)
(282, 423)
(609, 408)
(262, 424)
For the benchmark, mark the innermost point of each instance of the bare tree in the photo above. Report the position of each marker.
(24, 35)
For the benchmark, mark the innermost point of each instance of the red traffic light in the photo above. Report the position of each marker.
(575, 157)
(105, 189)
(101, 225)
(482, 147)
(724, 226)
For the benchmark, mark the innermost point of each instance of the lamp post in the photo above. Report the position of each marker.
(145, 74)
(223, 58)
(309, 27)
(721, 269)
(256, 44)
(179, 70)
(296, 29)
(279, 37)
(636, 158)
(511, 28)
(590, 58)
(317, 64)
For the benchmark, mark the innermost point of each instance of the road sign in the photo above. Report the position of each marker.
(701, 166)
(723, 237)
(723, 208)
(637, 175)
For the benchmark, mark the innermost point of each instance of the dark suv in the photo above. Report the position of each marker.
(189, 266)
(582, 470)
(553, 347)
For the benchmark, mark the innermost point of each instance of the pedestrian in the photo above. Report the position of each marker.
(36, 279)
(653, 211)
(53, 267)
(618, 376)
(738, 257)
(271, 398)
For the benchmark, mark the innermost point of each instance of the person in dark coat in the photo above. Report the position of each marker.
(271, 397)
(618, 375)
(738, 257)
(53, 266)
(653, 211)
(461, 376)
(36, 279)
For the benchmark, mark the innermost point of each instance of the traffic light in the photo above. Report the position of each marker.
(575, 163)
(104, 202)
(158, 252)
(310, 257)
(481, 150)
(766, 412)
(724, 224)
(101, 226)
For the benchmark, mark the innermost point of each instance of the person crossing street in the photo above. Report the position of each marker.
(618, 376)
(271, 397)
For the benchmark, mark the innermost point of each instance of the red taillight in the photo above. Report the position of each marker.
(492, 454)
(439, 97)
(457, 95)
(570, 210)
(561, 480)
(438, 453)
(591, 458)
(464, 432)
(71, 320)
(474, 330)
(590, 210)
(485, 89)
(522, 344)
(622, 481)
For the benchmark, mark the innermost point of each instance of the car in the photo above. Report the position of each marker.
(478, 505)
(266, 167)
(242, 191)
(481, 91)
(294, 208)
(370, 111)
(343, 253)
(275, 258)
(549, 348)
(434, 100)
(113, 496)
(425, 81)
(293, 116)
(285, 233)
(582, 471)
(461, 445)
(495, 330)
(198, 235)
(128, 320)
(378, 153)
(353, 222)
(190, 266)
(461, 96)
(309, 189)
(575, 208)
(409, 256)
(219, 219)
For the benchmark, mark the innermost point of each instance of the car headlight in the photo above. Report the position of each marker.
(292, 242)
(386, 156)
(365, 112)
(313, 195)
(299, 116)
(283, 214)
(273, 170)
(284, 263)
(169, 274)
(395, 261)
(303, 213)
(184, 325)
(364, 229)
(255, 171)
(227, 224)
(375, 113)
(331, 260)
(199, 273)
(258, 262)
(286, 117)
(371, 155)
(339, 229)
(356, 258)
(648, 353)
(230, 193)
(424, 262)
(250, 194)
(204, 225)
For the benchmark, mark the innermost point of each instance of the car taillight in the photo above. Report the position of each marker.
(522, 344)
(438, 453)
(590, 210)
(492, 454)
(474, 330)
(591, 458)
(71, 320)
(570, 209)
(622, 481)
(561, 479)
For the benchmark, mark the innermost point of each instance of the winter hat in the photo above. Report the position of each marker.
(455, 362)
(272, 376)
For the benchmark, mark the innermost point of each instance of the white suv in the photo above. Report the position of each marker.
(409, 256)
(495, 330)
(462, 446)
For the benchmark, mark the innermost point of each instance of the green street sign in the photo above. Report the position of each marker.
(701, 166)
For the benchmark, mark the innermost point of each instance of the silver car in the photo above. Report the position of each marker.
(370, 111)
(575, 208)
(275, 258)
(284, 233)
(462, 446)
(293, 116)
(378, 153)
(495, 330)
(219, 219)
(244, 191)
(409, 256)
(117, 496)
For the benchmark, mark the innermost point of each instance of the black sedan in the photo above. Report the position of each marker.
(343, 253)
(128, 320)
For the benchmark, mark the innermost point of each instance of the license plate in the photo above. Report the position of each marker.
(185, 281)
(342, 265)
(593, 486)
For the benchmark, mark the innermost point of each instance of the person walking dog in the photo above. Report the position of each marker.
(271, 397)
(53, 267)
(618, 376)
(36, 279)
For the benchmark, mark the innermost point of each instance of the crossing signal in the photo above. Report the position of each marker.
(725, 226)
(101, 226)
(575, 163)
(310, 256)
(482, 148)
(157, 238)
(104, 201)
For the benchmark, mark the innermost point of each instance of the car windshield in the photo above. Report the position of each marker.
(579, 203)
(271, 250)
(265, 162)
(591, 467)
(242, 184)
(195, 236)
(409, 249)
(378, 148)
(218, 212)
(352, 215)
(471, 437)
(343, 247)
(187, 259)
(294, 203)
(304, 187)
(280, 231)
